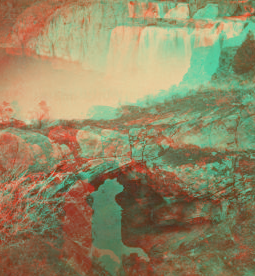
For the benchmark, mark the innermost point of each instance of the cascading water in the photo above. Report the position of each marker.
(162, 56)
(166, 56)
(236, 32)
(206, 51)
(130, 60)
(123, 49)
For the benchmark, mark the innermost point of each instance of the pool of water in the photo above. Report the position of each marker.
(106, 227)
(69, 90)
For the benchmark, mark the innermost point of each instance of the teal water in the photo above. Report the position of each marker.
(106, 226)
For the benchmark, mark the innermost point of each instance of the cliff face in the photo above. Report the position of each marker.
(226, 7)
(70, 31)
(96, 33)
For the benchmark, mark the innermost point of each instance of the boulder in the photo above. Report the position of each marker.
(210, 11)
(34, 138)
(115, 144)
(57, 151)
(66, 152)
(89, 142)
(65, 136)
(181, 11)
(23, 149)
(104, 143)
(15, 153)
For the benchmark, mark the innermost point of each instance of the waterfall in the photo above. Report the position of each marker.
(236, 32)
(164, 54)
(147, 58)
(123, 50)
(162, 57)
(157, 55)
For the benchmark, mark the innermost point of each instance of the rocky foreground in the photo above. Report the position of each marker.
(187, 171)
(185, 162)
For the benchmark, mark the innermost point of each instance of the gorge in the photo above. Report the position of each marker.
(121, 47)
(127, 138)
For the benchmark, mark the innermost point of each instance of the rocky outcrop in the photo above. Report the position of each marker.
(15, 154)
(90, 143)
(103, 143)
(221, 131)
(181, 11)
(137, 9)
(197, 9)
(102, 37)
(149, 218)
(145, 143)
(73, 32)
(227, 8)
(66, 138)
(77, 227)
(210, 11)
(30, 24)
(23, 150)
(149, 10)
(245, 56)
(222, 134)
(236, 8)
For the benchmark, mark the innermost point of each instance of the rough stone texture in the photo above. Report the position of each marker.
(70, 31)
(227, 7)
(181, 11)
(210, 11)
(23, 150)
(15, 154)
(96, 142)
